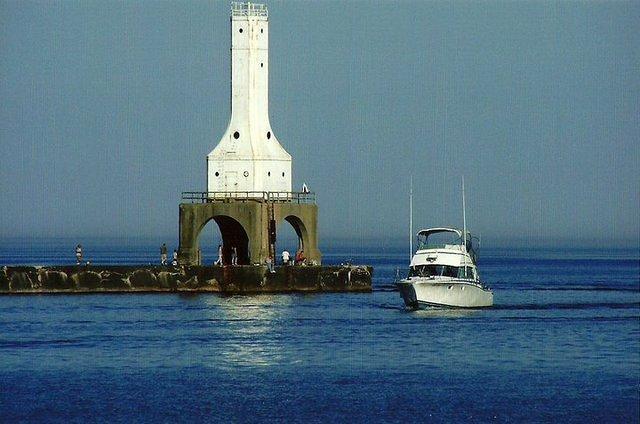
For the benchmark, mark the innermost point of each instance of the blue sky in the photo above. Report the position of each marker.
(109, 109)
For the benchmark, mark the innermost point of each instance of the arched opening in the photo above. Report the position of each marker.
(227, 232)
(289, 237)
(208, 241)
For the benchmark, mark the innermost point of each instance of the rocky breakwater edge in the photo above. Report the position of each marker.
(249, 279)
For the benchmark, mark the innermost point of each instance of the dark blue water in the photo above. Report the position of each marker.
(561, 344)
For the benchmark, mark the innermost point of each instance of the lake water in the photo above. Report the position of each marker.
(561, 344)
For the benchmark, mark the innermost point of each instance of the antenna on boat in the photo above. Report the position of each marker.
(464, 219)
(411, 218)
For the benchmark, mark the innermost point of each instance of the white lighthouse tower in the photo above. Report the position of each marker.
(248, 157)
(249, 162)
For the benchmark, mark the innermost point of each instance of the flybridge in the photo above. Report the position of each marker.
(249, 9)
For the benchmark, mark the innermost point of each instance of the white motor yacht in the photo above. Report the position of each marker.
(443, 272)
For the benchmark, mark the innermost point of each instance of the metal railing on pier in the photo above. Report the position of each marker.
(259, 196)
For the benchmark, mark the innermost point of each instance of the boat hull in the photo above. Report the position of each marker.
(418, 292)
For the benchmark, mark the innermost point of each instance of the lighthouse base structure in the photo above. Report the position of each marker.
(247, 225)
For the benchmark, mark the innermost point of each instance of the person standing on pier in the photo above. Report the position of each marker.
(269, 262)
(175, 258)
(234, 256)
(219, 261)
(286, 257)
(78, 254)
(163, 254)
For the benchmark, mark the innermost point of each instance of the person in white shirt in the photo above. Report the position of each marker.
(78, 254)
(286, 257)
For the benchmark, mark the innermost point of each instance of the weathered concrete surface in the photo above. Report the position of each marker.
(245, 225)
(227, 280)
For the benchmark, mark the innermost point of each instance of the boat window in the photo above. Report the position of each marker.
(449, 271)
(465, 272)
(433, 270)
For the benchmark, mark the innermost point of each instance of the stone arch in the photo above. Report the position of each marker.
(299, 228)
(304, 225)
(233, 235)
(245, 224)
(236, 222)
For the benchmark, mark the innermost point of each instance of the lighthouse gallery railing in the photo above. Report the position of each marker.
(248, 9)
(261, 196)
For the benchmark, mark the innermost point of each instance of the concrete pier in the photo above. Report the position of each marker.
(249, 279)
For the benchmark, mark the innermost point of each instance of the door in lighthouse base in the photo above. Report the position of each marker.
(230, 181)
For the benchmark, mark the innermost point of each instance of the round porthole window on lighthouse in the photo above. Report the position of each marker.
(246, 173)
(217, 174)
(283, 174)
(269, 174)
(240, 30)
(236, 135)
(268, 135)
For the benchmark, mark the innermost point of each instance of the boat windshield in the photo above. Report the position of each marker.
(438, 240)
(446, 239)
(465, 272)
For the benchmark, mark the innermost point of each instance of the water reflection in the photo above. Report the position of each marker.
(252, 332)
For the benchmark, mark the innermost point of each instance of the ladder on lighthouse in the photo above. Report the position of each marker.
(271, 228)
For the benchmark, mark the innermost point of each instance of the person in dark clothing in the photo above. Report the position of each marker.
(78, 254)
(163, 254)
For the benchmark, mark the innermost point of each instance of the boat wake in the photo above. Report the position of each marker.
(578, 306)
(581, 288)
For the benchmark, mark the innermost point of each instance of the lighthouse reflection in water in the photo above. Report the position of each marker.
(253, 331)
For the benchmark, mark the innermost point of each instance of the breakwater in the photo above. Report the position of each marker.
(250, 279)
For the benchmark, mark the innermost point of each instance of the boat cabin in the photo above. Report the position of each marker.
(442, 253)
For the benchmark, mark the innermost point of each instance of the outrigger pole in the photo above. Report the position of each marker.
(411, 219)
(464, 228)
(464, 218)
